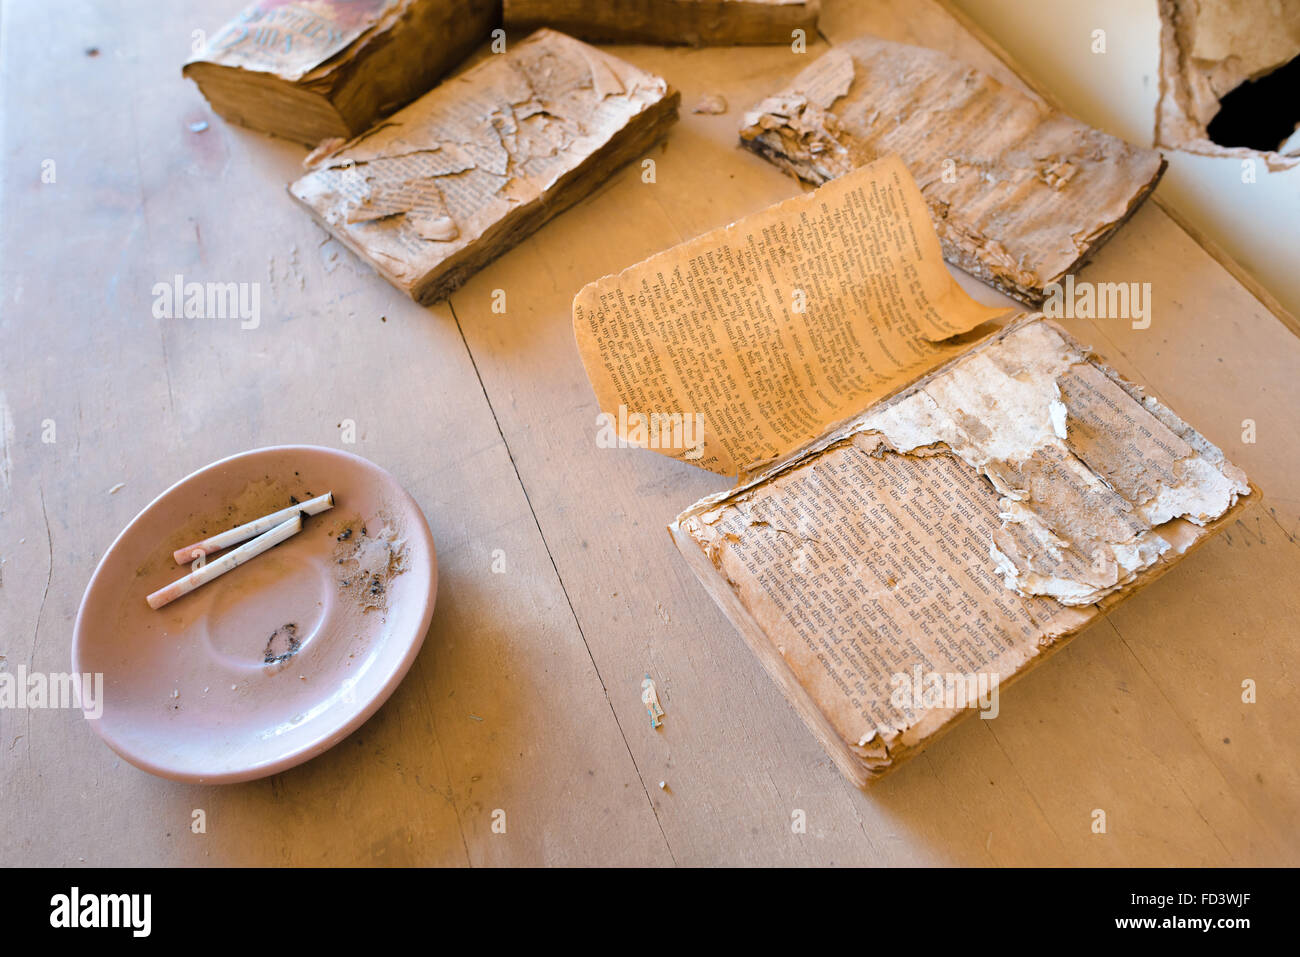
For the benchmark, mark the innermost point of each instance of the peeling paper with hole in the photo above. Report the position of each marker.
(1207, 49)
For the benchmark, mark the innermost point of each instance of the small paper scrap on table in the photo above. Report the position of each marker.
(650, 698)
(929, 504)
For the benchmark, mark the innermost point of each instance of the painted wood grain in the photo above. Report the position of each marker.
(526, 697)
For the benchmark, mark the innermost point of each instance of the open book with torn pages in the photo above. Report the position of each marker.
(931, 497)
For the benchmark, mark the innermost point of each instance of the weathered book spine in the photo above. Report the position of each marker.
(694, 22)
(308, 70)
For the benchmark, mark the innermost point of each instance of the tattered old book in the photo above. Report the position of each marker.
(696, 22)
(309, 70)
(1020, 193)
(923, 511)
(480, 162)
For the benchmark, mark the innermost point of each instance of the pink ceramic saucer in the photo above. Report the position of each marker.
(278, 659)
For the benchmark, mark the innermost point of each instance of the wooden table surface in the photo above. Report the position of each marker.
(526, 696)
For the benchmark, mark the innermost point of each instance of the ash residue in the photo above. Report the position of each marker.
(367, 564)
(282, 645)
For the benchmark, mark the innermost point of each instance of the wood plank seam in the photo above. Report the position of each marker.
(988, 726)
(560, 580)
(40, 612)
(451, 796)
(1195, 737)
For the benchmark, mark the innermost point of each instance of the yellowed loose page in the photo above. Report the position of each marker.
(742, 344)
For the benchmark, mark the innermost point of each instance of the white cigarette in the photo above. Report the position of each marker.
(219, 566)
(246, 531)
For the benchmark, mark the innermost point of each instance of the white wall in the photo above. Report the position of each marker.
(1257, 224)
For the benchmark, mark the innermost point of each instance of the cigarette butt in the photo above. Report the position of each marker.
(219, 566)
(248, 530)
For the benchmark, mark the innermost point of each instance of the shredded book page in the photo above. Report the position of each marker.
(744, 343)
(1020, 193)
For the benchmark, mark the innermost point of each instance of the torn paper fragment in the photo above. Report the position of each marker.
(650, 698)
(477, 164)
(711, 103)
(1020, 194)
